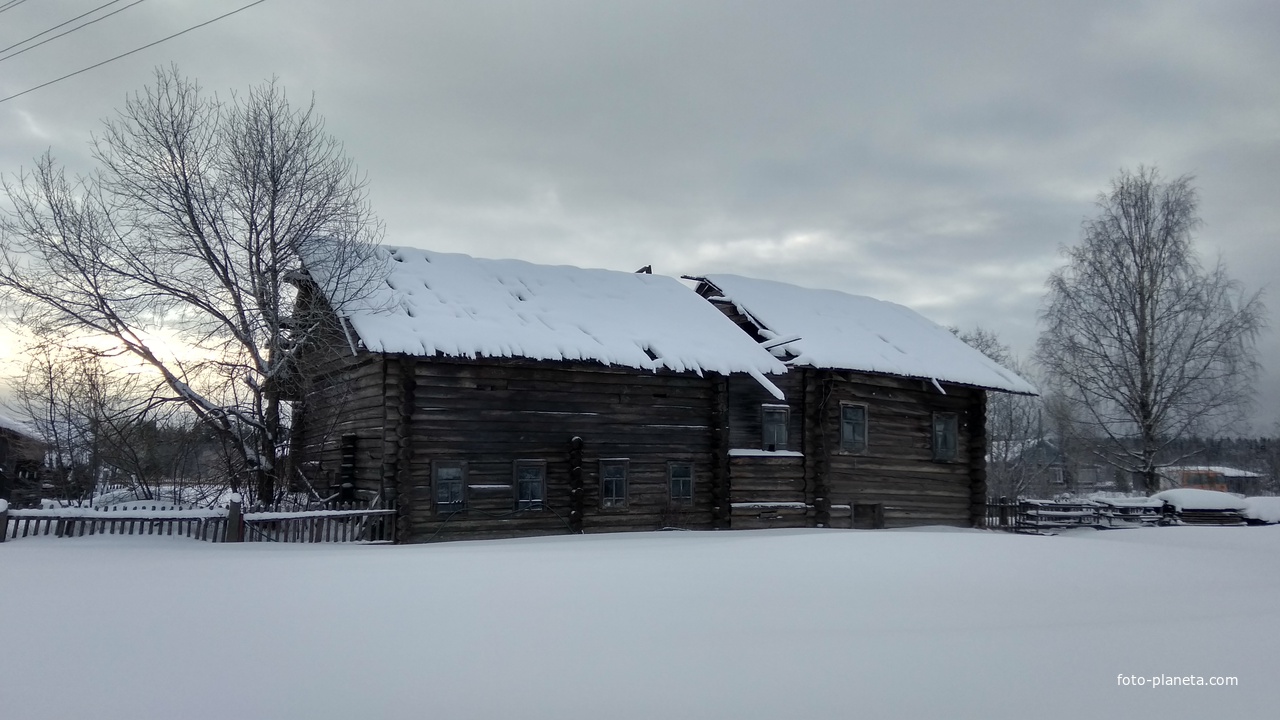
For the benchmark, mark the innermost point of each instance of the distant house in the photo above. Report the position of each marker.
(884, 422)
(1040, 468)
(1211, 477)
(21, 456)
(496, 398)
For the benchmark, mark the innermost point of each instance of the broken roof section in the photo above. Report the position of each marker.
(836, 330)
(458, 306)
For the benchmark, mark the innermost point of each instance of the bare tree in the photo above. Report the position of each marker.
(1146, 343)
(102, 423)
(184, 247)
(1015, 430)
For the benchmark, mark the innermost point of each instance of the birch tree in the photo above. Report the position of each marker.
(183, 250)
(1144, 341)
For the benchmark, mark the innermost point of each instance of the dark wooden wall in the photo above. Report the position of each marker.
(347, 401)
(896, 479)
(407, 413)
(338, 389)
(763, 478)
(898, 470)
(490, 414)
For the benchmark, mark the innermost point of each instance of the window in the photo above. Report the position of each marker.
(613, 484)
(853, 428)
(450, 486)
(946, 431)
(774, 419)
(680, 482)
(531, 484)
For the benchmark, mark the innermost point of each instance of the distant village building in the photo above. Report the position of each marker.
(21, 456)
(1041, 468)
(497, 398)
(1212, 477)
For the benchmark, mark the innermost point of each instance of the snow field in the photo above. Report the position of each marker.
(764, 624)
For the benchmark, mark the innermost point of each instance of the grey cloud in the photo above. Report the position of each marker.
(933, 153)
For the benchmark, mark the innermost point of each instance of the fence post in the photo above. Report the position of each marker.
(235, 519)
(4, 519)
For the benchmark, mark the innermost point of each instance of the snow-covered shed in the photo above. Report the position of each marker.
(885, 414)
(501, 397)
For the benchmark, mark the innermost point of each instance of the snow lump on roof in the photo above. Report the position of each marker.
(461, 306)
(852, 332)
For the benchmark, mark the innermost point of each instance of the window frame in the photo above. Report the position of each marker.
(445, 508)
(938, 451)
(765, 410)
(853, 449)
(681, 501)
(516, 466)
(614, 502)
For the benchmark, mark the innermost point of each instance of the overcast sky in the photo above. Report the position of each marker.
(936, 154)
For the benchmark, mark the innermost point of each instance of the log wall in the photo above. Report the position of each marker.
(338, 389)
(347, 400)
(898, 471)
(489, 414)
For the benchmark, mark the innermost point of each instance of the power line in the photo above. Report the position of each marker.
(11, 4)
(78, 27)
(144, 47)
(55, 27)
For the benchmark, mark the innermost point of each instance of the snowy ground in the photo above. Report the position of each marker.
(772, 624)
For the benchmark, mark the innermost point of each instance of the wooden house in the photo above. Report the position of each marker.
(21, 457)
(1211, 477)
(884, 419)
(495, 398)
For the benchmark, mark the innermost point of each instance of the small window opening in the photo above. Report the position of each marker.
(680, 482)
(450, 481)
(946, 432)
(774, 419)
(613, 483)
(853, 428)
(531, 484)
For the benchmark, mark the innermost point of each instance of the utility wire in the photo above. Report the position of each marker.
(11, 4)
(55, 27)
(68, 32)
(138, 49)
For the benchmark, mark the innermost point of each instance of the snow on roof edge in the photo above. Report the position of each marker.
(456, 305)
(864, 334)
(19, 427)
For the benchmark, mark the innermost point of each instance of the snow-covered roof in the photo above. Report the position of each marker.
(852, 332)
(18, 427)
(460, 306)
(1222, 470)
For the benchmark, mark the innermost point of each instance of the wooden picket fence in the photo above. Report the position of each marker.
(344, 524)
(370, 525)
